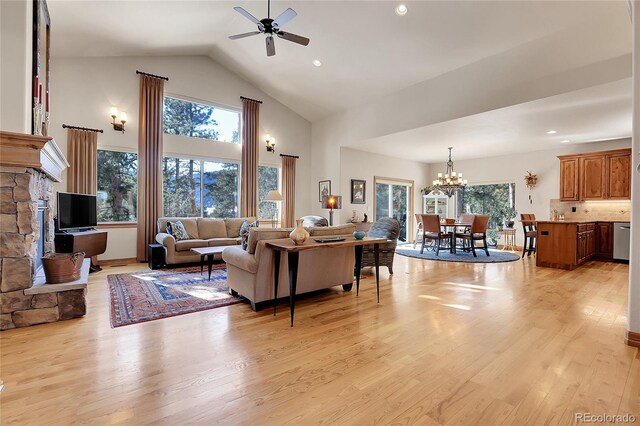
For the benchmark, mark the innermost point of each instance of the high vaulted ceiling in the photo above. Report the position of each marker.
(367, 51)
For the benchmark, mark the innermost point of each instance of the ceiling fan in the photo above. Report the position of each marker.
(269, 27)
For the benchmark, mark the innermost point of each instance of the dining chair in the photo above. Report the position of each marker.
(419, 230)
(433, 231)
(477, 232)
(530, 233)
(466, 220)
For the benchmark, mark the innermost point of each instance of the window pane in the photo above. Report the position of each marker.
(181, 187)
(495, 200)
(382, 200)
(267, 181)
(117, 194)
(196, 120)
(220, 189)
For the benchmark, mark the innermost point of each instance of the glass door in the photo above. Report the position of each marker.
(393, 199)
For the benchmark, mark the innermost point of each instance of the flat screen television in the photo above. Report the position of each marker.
(76, 211)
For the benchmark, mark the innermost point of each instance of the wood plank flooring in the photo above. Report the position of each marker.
(449, 343)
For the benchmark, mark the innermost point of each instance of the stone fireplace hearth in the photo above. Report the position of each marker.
(29, 166)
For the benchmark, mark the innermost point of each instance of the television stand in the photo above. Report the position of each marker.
(92, 242)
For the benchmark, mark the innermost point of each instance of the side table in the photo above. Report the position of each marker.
(509, 239)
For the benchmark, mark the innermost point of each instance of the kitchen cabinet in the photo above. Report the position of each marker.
(565, 245)
(569, 179)
(596, 176)
(604, 240)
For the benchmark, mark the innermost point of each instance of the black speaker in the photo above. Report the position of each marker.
(156, 256)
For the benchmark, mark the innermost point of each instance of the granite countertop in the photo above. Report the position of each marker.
(580, 222)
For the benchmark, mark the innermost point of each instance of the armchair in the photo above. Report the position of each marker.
(388, 228)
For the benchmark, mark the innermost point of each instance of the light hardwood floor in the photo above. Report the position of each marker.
(449, 343)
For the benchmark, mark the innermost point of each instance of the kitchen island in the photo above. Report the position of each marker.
(569, 244)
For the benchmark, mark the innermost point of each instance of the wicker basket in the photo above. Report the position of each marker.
(62, 267)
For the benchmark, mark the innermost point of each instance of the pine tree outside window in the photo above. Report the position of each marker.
(117, 195)
(199, 120)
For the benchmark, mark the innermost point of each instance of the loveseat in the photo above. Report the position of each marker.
(203, 232)
(250, 272)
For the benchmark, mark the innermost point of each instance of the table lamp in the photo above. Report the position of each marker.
(331, 202)
(275, 197)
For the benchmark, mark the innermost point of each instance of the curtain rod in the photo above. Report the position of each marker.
(249, 99)
(66, 126)
(152, 75)
(290, 156)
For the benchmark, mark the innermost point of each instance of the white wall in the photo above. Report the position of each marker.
(15, 67)
(356, 164)
(84, 89)
(513, 168)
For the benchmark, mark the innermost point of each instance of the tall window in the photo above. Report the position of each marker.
(199, 188)
(393, 199)
(493, 200)
(267, 181)
(197, 120)
(117, 194)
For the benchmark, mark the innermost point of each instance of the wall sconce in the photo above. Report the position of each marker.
(271, 143)
(122, 117)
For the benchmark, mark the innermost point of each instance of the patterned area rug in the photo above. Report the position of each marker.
(150, 295)
(497, 256)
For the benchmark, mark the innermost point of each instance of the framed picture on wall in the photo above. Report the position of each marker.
(324, 189)
(358, 191)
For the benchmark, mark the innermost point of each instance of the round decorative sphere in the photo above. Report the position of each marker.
(359, 235)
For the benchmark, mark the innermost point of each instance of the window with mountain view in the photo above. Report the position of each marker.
(198, 188)
(198, 120)
(117, 194)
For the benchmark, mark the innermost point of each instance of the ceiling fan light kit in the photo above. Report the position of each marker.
(270, 27)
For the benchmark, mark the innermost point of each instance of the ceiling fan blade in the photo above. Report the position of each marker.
(247, 15)
(243, 35)
(284, 17)
(271, 47)
(293, 37)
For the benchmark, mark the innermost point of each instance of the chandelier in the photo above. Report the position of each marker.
(451, 181)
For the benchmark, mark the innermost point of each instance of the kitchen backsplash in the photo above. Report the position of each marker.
(593, 210)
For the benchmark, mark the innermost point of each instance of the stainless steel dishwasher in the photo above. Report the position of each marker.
(621, 241)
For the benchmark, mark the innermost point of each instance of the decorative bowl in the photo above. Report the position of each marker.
(358, 235)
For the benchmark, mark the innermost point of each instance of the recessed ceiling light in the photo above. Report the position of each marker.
(401, 10)
(551, 132)
(317, 63)
(565, 141)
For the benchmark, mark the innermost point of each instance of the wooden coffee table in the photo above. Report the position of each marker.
(208, 252)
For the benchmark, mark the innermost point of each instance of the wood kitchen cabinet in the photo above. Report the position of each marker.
(569, 179)
(604, 240)
(565, 245)
(596, 176)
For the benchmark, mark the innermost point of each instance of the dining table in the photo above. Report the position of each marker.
(454, 226)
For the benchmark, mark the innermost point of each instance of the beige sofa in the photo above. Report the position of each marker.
(203, 232)
(250, 272)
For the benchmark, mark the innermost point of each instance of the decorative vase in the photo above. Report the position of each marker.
(299, 235)
(358, 235)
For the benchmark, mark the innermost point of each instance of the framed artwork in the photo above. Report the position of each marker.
(324, 189)
(358, 191)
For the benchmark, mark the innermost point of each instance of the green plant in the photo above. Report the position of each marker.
(425, 190)
(493, 237)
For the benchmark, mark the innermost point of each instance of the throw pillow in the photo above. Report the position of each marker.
(179, 231)
(244, 232)
(169, 230)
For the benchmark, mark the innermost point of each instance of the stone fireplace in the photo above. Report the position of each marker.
(29, 166)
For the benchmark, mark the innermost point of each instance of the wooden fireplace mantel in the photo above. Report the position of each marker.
(38, 152)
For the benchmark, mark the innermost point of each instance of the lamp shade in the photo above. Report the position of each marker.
(274, 196)
(332, 202)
